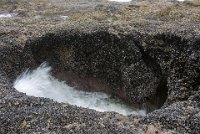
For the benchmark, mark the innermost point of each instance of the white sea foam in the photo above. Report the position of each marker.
(40, 83)
(7, 15)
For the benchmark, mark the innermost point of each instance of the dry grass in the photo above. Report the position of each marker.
(196, 2)
(82, 17)
(170, 14)
(179, 12)
(36, 10)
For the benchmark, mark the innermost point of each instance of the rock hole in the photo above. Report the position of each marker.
(100, 62)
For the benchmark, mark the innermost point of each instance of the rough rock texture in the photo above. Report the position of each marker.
(146, 52)
(118, 62)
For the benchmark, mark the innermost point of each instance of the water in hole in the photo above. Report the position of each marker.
(40, 83)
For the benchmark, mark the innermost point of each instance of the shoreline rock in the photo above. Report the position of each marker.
(164, 43)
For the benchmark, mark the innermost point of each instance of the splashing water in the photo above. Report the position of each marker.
(40, 83)
(7, 15)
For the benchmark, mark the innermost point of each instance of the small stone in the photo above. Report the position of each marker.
(23, 125)
(151, 130)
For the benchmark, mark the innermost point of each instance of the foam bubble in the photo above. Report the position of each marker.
(7, 15)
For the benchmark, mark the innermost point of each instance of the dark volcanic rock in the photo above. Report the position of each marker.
(145, 52)
(118, 62)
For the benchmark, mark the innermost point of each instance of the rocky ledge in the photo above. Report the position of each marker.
(145, 52)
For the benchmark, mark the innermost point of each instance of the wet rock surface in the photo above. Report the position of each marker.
(147, 56)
